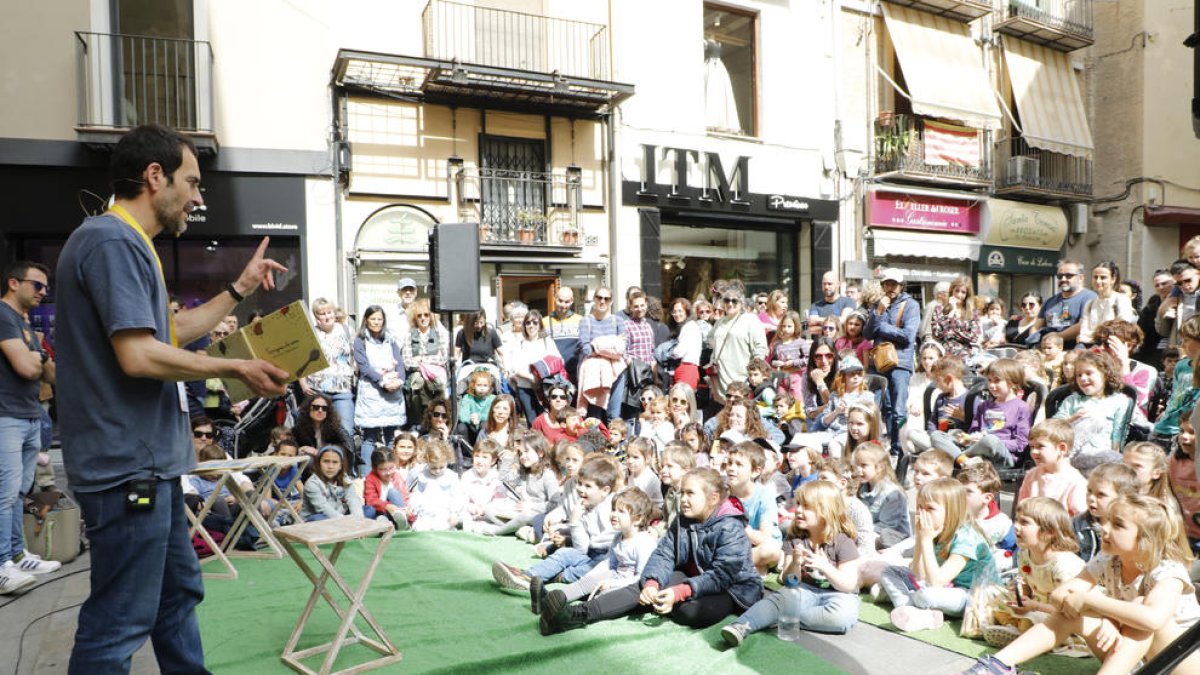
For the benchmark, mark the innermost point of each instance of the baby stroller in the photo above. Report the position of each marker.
(252, 433)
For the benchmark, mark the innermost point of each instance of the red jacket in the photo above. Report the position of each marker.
(375, 495)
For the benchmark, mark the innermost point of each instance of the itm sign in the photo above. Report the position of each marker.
(682, 159)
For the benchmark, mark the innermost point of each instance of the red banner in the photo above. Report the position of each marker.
(914, 212)
(950, 145)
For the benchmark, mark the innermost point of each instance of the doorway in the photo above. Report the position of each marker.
(536, 291)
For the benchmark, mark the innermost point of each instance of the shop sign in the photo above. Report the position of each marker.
(1021, 225)
(397, 227)
(1017, 260)
(916, 212)
(786, 203)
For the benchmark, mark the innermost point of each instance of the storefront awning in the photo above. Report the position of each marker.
(1048, 100)
(942, 67)
(924, 245)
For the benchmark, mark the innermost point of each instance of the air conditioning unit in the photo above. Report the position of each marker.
(1023, 170)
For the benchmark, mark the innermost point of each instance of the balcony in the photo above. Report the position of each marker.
(1025, 171)
(494, 58)
(910, 148)
(1065, 25)
(958, 10)
(520, 209)
(128, 80)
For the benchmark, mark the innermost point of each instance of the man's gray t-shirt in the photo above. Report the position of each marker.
(18, 396)
(115, 428)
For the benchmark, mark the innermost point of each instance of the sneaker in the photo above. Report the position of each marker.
(537, 594)
(735, 633)
(1000, 636)
(989, 665)
(13, 580)
(877, 593)
(909, 619)
(525, 534)
(32, 563)
(510, 577)
(400, 521)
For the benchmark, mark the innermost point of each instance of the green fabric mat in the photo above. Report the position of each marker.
(434, 595)
(947, 637)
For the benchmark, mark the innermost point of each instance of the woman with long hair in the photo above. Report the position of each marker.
(1108, 303)
(956, 324)
(773, 313)
(379, 411)
(425, 358)
(521, 354)
(1025, 328)
(317, 425)
(689, 342)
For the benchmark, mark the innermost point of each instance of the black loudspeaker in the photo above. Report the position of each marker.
(454, 267)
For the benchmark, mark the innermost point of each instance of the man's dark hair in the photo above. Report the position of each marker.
(138, 149)
(1180, 266)
(20, 269)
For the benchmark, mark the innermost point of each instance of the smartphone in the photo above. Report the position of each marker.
(1017, 592)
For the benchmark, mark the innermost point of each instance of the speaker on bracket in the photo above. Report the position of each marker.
(454, 267)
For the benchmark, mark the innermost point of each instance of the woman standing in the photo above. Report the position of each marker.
(477, 342)
(777, 307)
(956, 324)
(379, 411)
(1025, 328)
(335, 383)
(1108, 303)
(425, 359)
(689, 337)
(521, 353)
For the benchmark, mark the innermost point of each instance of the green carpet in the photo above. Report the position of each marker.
(947, 637)
(434, 595)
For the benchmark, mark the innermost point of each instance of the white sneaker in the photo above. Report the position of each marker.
(32, 563)
(13, 580)
(526, 534)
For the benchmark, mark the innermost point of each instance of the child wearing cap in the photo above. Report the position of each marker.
(849, 389)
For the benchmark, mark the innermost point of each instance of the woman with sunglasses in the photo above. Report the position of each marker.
(435, 425)
(533, 345)
(682, 405)
(1024, 329)
(822, 369)
(425, 358)
(558, 397)
(318, 425)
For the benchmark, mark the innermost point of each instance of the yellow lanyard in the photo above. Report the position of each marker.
(121, 213)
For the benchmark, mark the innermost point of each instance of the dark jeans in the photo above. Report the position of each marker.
(145, 582)
(895, 407)
(529, 403)
(697, 612)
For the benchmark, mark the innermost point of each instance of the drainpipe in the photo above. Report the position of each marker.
(340, 253)
(613, 194)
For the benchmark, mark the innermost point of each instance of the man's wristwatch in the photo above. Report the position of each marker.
(233, 292)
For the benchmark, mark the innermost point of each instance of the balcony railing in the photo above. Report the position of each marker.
(1024, 169)
(958, 10)
(1065, 25)
(903, 148)
(520, 207)
(515, 40)
(129, 80)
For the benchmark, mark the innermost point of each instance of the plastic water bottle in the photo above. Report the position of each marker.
(789, 614)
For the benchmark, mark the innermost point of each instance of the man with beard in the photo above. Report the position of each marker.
(1062, 311)
(124, 414)
(563, 327)
(895, 319)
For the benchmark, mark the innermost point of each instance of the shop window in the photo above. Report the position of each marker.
(694, 257)
(729, 70)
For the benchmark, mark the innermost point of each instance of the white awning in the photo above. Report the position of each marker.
(943, 67)
(915, 244)
(1051, 108)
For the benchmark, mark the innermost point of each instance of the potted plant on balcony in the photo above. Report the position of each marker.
(892, 141)
(527, 221)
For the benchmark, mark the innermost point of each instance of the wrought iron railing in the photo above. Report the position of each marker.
(520, 207)
(901, 146)
(507, 39)
(128, 80)
(1020, 165)
(1069, 16)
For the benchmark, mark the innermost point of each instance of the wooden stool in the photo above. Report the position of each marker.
(337, 531)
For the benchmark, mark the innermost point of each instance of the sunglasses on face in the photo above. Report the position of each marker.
(558, 397)
(438, 415)
(603, 298)
(37, 285)
(319, 407)
(731, 301)
(679, 400)
(196, 433)
(1029, 304)
(533, 322)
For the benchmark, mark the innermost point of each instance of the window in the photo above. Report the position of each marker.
(729, 70)
(694, 257)
(513, 186)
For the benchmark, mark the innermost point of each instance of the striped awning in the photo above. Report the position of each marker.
(1049, 104)
(943, 67)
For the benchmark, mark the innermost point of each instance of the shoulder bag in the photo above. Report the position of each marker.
(884, 355)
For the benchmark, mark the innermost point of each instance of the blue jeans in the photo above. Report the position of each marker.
(145, 583)
(371, 436)
(529, 403)
(898, 582)
(393, 497)
(569, 563)
(823, 611)
(343, 403)
(896, 407)
(20, 440)
(616, 396)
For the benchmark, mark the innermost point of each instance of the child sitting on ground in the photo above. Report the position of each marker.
(982, 483)
(641, 465)
(697, 438)
(820, 561)
(1104, 485)
(328, 493)
(404, 453)
(677, 459)
(568, 457)
(481, 487)
(839, 472)
(1185, 480)
(631, 550)
(590, 533)
(762, 389)
(742, 471)
(380, 498)
(530, 480)
(656, 423)
(436, 498)
(699, 573)
(1053, 476)
(789, 417)
(881, 492)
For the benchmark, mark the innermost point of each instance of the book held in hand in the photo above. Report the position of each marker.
(285, 338)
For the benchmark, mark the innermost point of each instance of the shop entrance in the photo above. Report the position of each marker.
(536, 291)
(694, 257)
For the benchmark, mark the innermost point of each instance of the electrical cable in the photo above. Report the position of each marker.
(21, 641)
(47, 583)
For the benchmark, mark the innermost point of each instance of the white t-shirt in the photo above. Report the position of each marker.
(1106, 570)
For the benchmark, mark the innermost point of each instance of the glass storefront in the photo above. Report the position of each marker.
(694, 257)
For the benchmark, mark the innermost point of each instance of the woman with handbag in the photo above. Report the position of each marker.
(380, 410)
(521, 353)
(425, 359)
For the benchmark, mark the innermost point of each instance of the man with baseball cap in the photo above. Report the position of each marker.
(895, 319)
(397, 316)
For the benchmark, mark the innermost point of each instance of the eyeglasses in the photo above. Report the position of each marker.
(558, 397)
(1029, 304)
(730, 301)
(602, 298)
(1067, 275)
(829, 329)
(319, 407)
(37, 285)
(533, 322)
(438, 415)
(196, 433)
(679, 400)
